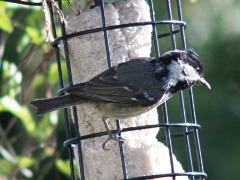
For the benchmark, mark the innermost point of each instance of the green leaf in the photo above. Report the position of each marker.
(53, 73)
(35, 35)
(12, 78)
(45, 128)
(2, 6)
(5, 23)
(6, 167)
(25, 162)
(11, 105)
(63, 166)
(38, 81)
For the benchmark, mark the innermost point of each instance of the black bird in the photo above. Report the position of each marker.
(132, 87)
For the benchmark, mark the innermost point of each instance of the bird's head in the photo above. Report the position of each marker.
(187, 65)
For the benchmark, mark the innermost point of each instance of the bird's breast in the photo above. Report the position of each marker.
(122, 111)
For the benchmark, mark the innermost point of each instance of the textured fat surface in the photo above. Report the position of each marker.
(144, 155)
(88, 52)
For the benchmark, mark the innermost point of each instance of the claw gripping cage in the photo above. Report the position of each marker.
(185, 128)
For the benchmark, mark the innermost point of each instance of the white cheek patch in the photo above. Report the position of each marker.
(180, 71)
(190, 73)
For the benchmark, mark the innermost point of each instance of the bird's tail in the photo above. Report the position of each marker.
(46, 105)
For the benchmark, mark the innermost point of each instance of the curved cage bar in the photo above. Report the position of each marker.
(26, 3)
(173, 22)
(194, 126)
(189, 128)
(188, 174)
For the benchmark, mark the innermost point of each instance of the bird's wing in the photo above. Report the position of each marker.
(108, 88)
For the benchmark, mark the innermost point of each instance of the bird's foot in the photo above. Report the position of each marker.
(113, 136)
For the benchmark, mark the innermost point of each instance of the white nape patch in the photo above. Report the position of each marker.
(175, 72)
(127, 88)
(171, 52)
(115, 77)
(134, 99)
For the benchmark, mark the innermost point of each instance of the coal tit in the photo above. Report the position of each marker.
(132, 87)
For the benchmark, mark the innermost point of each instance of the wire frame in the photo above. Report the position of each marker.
(189, 126)
(26, 3)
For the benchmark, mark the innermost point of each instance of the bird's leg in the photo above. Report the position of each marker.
(111, 136)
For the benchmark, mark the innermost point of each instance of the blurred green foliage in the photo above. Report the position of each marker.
(28, 147)
(31, 146)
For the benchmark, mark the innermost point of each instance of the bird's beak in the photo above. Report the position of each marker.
(204, 82)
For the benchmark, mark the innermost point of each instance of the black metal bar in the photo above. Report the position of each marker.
(67, 126)
(161, 125)
(169, 33)
(186, 137)
(196, 135)
(195, 174)
(101, 3)
(56, 48)
(67, 36)
(155, 34)
(24, 2)
(192, 106)
(75, 117)
(182, 28)
(164, 107)
(169, 10)
(176, 135)
(184, 119)
(122, 153)
(168, 137)
(187, 128)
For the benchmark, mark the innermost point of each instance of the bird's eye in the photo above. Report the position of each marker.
(198, 69)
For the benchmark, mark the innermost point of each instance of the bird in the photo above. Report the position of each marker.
(131, 88)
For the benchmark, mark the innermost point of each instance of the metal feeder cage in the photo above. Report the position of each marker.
(194, 169)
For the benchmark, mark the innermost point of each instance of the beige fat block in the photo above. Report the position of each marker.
(144, 155)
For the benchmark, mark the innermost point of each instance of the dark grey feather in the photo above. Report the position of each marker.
(133, 87)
